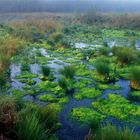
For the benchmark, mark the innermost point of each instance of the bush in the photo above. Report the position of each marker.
(55, 37)
(25, 67)
(63, 43)
(8, 114)
(104, 51)
(49, 116)
(30, 128)
(2, 80)
(4, 62)
(46, 71)
(124, 55)
(66, 85)
(63, 83)
(68, 71)
(110, 132)
(37, 123)
(94, 124)
(103, 67)
(134, 76)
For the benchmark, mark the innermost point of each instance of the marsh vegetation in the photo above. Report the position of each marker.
(70, 78)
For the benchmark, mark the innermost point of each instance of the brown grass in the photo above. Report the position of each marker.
(8, 47)
(43, 25)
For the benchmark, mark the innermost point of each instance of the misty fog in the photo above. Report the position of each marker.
(69, 5)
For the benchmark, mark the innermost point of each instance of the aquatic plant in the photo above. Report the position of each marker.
(55, 38)
(37, 122)
(112, 132)
(86, 115)
(63, 43)
(135, 95)
(48, 97)
(104, 51)
(67, 85)
(119, 107)
(87, 93)
(134, 76)
(31, 128)
(49, 116)
(124, 55)
(25, 67)
(63, 100)
(68, 71)
(103, 67)
(27, 75)
(45, 70)
(2, 79)
(109, 86)
(63, 83)
(28, 81)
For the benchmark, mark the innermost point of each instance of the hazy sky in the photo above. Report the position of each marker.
(71, 5)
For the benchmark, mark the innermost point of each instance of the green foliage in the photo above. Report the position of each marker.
(48, 97)
(110, 132)
(135, 95)
(46, 70)
(31, 128)
(81, 70)
(25, 67)
(94, 125)
(63, 83)
(50, 86)
(104, 51)
(28, 81)
(135, 74)
(103, 67)
(67, 85)
(125, 55)
(86, 115)
(63, 100)
(56, 36)
(2, 80)
(26, 75)
(107, 86)
(37, 122)
(68, 71)
(17, 92)
(87, 93)
(82, 83)
(49, 116)
(119, 107)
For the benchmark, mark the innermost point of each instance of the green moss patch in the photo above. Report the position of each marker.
(87, 93)
(86, 115)
(96, 76)
(63, 100)
(17, 92)
(111, 87)
(28, 81)
(46, 85)
(48, 98)
(119, 107)
(82, 71)
(26, 75)
(82, 83)
(135, 95)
